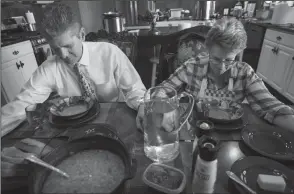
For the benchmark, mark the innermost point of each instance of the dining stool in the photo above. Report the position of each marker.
(155, 62)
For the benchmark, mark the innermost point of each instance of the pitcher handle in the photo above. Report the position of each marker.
(184, 117)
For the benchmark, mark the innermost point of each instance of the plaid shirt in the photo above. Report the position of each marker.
(247, 85)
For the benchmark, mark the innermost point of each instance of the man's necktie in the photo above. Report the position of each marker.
(87, 85)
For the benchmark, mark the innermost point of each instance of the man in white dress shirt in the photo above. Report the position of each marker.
(112, 74)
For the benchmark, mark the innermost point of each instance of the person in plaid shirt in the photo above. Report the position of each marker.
(217, 76)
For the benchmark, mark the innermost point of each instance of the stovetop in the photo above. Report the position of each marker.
(12, 38)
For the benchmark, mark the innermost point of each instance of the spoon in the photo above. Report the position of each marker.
(15, 155)
(235, 178)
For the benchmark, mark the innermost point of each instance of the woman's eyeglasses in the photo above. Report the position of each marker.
(226, 62)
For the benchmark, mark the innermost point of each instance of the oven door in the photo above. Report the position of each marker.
(42, 52)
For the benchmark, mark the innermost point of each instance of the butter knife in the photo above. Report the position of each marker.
(235, 178)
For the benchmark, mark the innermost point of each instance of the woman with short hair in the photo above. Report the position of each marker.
(217, 76)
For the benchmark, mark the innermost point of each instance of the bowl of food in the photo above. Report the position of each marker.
(71, 108)
(203, 127)
(164, 178)
(225, 113)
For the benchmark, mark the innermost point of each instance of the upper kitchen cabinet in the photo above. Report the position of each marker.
(276, 61)
(18, 63)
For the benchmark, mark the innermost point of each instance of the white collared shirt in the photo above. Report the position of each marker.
(114, 76)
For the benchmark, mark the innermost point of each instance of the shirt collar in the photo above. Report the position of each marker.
(85, 60)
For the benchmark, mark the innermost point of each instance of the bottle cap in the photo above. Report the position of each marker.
(208, 148)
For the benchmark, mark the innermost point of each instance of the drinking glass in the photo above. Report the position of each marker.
(35, 114)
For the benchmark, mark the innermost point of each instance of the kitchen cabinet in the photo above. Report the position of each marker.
(255, 37)
(18, 64)
(12, 80)
(267, 56)
(27, 68)
(275, 65)
(289, 91)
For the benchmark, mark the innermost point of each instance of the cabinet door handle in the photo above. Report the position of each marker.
(17, 65)
(279, 38)
(21, 64)
(275, 50)
(15, 52)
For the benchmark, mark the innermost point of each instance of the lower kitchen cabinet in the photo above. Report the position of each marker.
(275, 65)
(12, 80)
(29, 66)
(265, 68)
(289, 91)
(17, 68)
(282, 66)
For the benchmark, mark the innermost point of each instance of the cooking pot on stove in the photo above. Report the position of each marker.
(113, 22)
(91, 136)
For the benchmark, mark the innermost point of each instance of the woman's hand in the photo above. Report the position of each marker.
(285, 121)
(170, 121)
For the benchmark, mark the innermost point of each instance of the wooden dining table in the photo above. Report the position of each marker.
(123, 119)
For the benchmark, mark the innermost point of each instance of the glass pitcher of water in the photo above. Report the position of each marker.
(163, 119)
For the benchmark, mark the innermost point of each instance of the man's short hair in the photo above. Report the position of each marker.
(58, 18)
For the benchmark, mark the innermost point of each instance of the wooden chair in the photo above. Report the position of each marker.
(155, 60)
(175, 54)
(125, 41)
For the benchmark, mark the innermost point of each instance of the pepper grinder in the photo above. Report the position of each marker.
(204, 167)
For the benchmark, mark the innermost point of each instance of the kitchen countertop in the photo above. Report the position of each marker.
(268, 25)
(166, 37)
(8, 38)
(173, 23)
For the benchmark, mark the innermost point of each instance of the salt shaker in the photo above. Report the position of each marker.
(205, 165)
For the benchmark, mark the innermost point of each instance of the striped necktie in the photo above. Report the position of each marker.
(87, 85)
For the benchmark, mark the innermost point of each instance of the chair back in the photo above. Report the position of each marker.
(125, 41)
(187, 45)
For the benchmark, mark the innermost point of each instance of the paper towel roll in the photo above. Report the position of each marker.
(30, 17)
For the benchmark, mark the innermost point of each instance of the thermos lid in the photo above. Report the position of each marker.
(208, 148)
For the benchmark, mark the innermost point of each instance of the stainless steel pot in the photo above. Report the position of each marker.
(113, 22)
(203, 10)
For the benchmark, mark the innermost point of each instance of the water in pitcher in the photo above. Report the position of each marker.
(161, 145)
